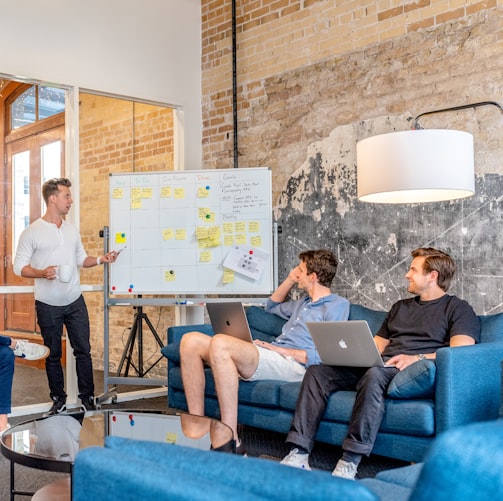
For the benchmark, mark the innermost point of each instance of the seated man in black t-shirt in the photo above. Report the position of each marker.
(414, 329)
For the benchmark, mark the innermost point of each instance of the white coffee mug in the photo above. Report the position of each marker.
(64, 273)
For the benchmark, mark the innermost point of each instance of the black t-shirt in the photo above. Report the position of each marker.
(414, 326)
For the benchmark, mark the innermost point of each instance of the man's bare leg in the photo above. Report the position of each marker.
(230, 358)
(194, 350)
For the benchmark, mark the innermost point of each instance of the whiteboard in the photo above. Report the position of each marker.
(192, 232)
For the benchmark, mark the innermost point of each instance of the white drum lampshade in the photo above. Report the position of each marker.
(414, 166)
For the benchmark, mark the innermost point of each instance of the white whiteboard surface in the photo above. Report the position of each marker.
(176, 230)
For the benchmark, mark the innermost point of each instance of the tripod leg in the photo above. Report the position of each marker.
(127, 353)
(156, 336)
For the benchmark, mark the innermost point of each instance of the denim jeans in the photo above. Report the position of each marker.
(6, 374)
(75, 318)
(320, 382)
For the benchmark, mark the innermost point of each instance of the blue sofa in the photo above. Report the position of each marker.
(466, 389)
(463, 464)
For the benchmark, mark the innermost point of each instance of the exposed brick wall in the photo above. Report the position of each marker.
(278, 38)
(118, 136)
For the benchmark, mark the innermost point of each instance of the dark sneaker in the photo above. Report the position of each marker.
(58, 406)
(88, 404)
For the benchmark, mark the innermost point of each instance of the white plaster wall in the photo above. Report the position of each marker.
(146, 50)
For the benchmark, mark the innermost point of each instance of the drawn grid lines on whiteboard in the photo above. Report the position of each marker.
(202, 232)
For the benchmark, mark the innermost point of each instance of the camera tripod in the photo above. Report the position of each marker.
(136, 335)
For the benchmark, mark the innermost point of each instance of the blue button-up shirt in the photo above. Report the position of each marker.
(295, 333)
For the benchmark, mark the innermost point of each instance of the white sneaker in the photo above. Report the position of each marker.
(345, 469)
(30, 351)
(297, 460)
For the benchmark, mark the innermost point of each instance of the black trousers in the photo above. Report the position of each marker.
(75, 318)
(320, 381)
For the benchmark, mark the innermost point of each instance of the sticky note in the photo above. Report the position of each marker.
(136, 203)
(256, 241)
(228, 240)
(180, 234)
(171, 438)
(180, 192)
(166, 191)
(168, 234)
(253, 226)
(228, 228)
(202, 193)
(135, 192)
(228, 277)
(146, 193)
(169, 276)
(120, 238)
(205, 257)
(201, 232)
(241, 239)
(117, 193)
(240, 227)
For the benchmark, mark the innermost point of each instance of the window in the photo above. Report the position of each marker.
(36, 103)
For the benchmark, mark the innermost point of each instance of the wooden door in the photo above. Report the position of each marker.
(30, 161)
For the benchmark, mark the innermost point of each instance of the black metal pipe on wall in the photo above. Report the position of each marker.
(234, 87)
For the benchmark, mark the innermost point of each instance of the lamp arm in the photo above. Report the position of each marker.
(415, 124)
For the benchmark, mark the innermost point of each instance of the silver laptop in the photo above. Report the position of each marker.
(229, 318)
(346, 343)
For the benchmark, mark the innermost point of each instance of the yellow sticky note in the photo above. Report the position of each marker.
(228, 228)
(205, 257)
(180, 192)
(201, 232)
(202, 193)
(214, 232)
(241, 239)
(117, 193)
(180, 234)
(253, 227)
(170, 276)
(135, 192)
(228, 240)
(256, 241)
(168, 234)
(171, 438)
(136, 203)
(120, 238)
(240, 227)
(146, 193)
(166, 191)
(228, 277)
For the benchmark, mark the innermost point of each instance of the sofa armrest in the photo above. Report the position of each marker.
(468, 384)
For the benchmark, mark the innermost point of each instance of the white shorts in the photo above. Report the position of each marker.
(272, 365)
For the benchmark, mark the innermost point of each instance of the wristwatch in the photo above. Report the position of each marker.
(421, 356)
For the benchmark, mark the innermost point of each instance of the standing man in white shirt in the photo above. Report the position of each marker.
(50, 251)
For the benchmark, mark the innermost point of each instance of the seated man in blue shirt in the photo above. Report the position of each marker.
(284, 359)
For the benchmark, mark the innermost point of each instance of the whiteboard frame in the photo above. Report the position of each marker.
(145, 270)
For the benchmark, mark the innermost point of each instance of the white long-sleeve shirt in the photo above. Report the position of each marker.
(43, 244)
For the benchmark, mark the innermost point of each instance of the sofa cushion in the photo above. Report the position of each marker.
(263, 325)
(491, 328)
(374, 318)
(415, 381)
